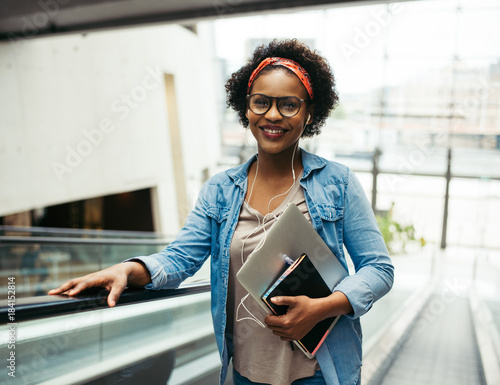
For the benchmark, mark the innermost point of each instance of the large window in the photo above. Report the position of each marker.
(415, 78)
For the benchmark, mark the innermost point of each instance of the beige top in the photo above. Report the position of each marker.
(258, 354)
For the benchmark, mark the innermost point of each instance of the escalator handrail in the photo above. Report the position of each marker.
(82, 232)
(32, 308)
(84, 241)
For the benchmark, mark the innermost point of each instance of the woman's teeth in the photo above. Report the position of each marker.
(274, 131)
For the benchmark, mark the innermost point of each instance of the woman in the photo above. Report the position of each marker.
(283, 93)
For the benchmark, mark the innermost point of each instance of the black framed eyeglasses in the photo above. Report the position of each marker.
(288, 106)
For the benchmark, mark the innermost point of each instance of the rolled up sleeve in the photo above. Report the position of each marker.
(374, 272)
(183, 257)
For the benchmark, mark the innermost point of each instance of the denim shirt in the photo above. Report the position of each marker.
(340, 213)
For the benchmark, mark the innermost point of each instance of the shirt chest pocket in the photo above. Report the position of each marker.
(330, 213)
(331, 226)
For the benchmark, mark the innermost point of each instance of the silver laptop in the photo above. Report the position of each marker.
(290, 237)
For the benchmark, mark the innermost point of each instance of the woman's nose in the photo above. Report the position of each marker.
(273, 113)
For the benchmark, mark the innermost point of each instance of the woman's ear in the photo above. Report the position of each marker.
(310, 117)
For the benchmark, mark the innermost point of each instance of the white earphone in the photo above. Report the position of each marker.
(268, 216)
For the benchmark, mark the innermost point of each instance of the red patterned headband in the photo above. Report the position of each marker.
(295, 67)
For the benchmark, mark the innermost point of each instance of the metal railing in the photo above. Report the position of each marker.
(448, 175)
(81, 233)
(42, 262)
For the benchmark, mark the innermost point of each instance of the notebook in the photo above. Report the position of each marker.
(291, 236)
(302, 278)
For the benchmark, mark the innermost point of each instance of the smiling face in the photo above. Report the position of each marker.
(275, 133)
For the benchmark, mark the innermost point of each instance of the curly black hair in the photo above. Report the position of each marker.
(320, 73)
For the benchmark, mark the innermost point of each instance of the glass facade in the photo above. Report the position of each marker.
(415, 79)
(40, 267)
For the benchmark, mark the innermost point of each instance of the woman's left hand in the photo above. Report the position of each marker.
(300, 318)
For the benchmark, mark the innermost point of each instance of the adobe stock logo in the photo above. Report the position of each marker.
(440, 133)
(370, 31)
(93, 137)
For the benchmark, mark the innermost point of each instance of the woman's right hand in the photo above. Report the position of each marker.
(114, 279)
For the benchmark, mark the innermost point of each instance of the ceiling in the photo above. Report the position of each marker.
(21, 19)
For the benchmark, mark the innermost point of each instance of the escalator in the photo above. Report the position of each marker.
(150, 337)
(440, 349)
(430, 329)
(452, 336)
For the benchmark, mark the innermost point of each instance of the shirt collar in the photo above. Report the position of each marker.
(310, 162)
(239, 173)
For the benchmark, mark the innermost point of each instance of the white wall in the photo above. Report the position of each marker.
(85, 116)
